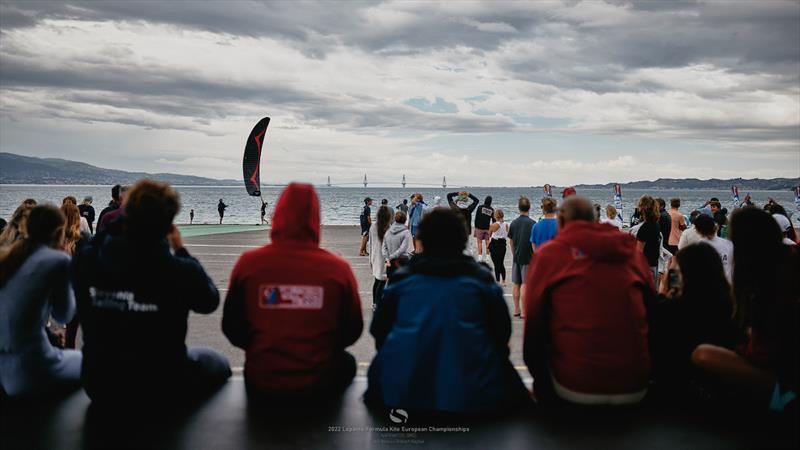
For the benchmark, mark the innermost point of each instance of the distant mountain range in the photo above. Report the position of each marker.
(18, 169)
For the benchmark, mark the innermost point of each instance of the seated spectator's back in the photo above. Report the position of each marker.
(442, 330)
(586, 326)
(293, 306)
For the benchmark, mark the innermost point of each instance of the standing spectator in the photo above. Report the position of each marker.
(720, 217)
(442, 331)
(87, 212)
(396, 243)
(766, 289)
(568, 191)
(483, 218)
(547, 228)
(365, 220)
(294, 307)
(74, 240)
(112, 215)
(464, 203)
(403, 207)
(264, 212)
(707, 229)
(585, 335)
(649, 233)
(377, 261)
(497, 248)
(664, 221)
(414, 217)
(612, 218)
(135, 289)
(112, 205)
(18, 227)
(785, 227)
(34, 285)
(221, 206)
(690, 235)
(519, 239)
(677, 226)
(191, 216)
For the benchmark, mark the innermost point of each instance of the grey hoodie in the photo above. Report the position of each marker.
(396, 241)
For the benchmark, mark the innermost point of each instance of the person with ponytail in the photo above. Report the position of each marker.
(34, 285)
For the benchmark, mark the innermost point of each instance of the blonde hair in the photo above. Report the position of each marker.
(499, 214)
(611, 212)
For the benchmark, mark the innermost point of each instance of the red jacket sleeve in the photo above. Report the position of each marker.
(352, 323)
(234, 317)
(535, 329)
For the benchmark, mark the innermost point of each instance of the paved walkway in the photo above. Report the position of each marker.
(219, 252)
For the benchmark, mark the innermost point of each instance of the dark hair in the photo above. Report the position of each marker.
(775, 208)
(488, 200)
(705, 225)
(384, 221)
(384, 202)
(576, 208)
(524, 204)
(548, 205)
(766, 287)
(443, 233)
(647, 208)
(17, 226)
(115, 192)
(675, 203)
(405, 201)
(149, 210)
(661, 202)
(704, 282)
(400, 217)
(44, 222)
(29, 202)
(715, 204)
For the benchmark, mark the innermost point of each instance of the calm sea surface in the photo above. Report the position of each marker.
(342, 205)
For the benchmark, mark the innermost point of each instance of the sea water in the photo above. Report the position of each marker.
(343, 205)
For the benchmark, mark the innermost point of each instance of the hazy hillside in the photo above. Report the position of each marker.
(756, 184)
(17, 169)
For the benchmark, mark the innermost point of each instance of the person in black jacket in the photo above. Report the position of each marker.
(112, 205)
(664, 221)
(483, 219)
(87, 211)
(134, 296)
(460, 202)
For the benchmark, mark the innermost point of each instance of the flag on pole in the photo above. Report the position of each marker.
(735, 197)
(548, 190)
(618, 201)
(797, 197)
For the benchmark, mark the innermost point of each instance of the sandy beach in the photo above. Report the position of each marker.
(219, 251)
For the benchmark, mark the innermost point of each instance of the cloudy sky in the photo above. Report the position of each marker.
(518, 93)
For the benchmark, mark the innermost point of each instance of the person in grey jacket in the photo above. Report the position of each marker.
(34, 285)
(396, 243)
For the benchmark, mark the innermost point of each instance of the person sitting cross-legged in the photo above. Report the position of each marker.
(585, 338)
(294, 308)
(135, 290)
(442, 331)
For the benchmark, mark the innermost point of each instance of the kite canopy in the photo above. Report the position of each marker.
(251, 165)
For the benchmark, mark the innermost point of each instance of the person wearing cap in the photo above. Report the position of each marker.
(785, 225)
(87, 212)
(366, 223)
(569, 190)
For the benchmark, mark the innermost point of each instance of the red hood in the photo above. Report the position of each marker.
(598, 241)
(296, 216)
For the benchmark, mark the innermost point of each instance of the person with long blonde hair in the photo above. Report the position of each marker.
(74, 239)
(17, 227)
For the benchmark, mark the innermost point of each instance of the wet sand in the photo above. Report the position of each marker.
(219, 252)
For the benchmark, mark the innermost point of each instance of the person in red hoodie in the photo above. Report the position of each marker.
(294, 307)
(585, 337)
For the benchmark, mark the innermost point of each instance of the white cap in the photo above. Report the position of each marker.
(783, 222)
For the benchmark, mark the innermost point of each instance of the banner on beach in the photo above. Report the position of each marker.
(548, 190)
(735, 197)
(618, 200)
(251, 163)
(797, 197)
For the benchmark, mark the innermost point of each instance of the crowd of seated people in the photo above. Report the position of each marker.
(596, 330)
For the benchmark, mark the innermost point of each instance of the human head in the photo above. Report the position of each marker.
(675, 203)
(647, 207)
(88, 200)
(499, 215)
(705, 225)
(69, 199)
(548, 205)
(72, 226)
(17, 227)
(150, 207)
(661, 203)
(419, 197)
(523, 204)
(611, 212)
(115, 193)
(384, 201)
(45, 226)
(568, 191)
(384, 220)
(715, 206)
(405, 201)
(400, 217)
(488, 200)
(443, 233)
(703, 279)
(367, 201)
(575, 209)
(29, 202)
(693, 216)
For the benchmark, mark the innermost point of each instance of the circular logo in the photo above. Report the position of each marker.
(398, 415)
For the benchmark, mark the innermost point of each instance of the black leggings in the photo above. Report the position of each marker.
(497, 248)
(377, 291)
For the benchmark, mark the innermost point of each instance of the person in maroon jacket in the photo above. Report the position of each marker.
(585, 331)
(294, 307)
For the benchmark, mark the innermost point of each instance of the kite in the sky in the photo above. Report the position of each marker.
(251, 165)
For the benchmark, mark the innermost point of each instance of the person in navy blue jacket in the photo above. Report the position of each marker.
(442, 331)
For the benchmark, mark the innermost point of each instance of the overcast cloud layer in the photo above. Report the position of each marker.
(484, 93)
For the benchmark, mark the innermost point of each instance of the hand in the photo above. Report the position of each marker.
(174, 238)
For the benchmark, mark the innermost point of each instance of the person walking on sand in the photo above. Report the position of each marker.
(366, 223)
(221, 209)
(191, 216)
(264, 212)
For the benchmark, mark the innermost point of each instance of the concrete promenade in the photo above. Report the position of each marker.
(218, 253)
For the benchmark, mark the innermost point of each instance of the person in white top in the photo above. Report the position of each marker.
(690, 235)
(612, 218)
(707, 228)
(497, 245)
(784, 224)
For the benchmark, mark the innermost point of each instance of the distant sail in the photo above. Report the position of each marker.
(251, 164)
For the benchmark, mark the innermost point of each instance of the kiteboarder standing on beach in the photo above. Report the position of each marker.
(263, 211)
(221, 208)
